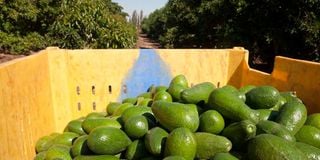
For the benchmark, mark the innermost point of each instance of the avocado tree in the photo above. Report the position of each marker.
(267, 28)
(33, 25)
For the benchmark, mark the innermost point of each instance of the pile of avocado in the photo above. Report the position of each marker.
(180, 122)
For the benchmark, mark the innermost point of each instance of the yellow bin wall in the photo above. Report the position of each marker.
(40, 93)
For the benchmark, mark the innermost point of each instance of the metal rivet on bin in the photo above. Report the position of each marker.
(93, 90)
(124, 88)
(79, 106)
(110, 89)
(94, 106)
(78, 90)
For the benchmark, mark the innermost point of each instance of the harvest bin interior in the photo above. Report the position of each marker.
(41, 93)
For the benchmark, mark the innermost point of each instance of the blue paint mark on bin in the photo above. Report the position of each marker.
(149, 69)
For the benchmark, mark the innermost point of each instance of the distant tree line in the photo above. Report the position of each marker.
(136, 19)
(265, 27)
(32, 25)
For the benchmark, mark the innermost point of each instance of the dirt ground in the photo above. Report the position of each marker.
(145, 42)
(8, 57)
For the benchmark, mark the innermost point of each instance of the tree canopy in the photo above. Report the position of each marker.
(265, 27)
(32, 25)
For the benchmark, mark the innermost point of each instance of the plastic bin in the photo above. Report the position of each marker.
(40, 93)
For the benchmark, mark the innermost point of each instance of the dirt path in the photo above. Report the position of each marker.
(8, 57)
(145, 42)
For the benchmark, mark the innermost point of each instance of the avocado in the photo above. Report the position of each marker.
(262, 97)
(271, 147)
(91, 123)
(173, 115)
(111, 107)
(145, 95)
(122, 108)
(198, 93)
(174, 158)
(80, 146)
(136, 150)
(155, 140)
(239, 133)
(245, 89)
(75, 126)
(161, 88)
(292, 115)
(151, 158)
(313, 120)
(276, 129)
(175, 90)
(313, 153)
(96, 114)
(58, 151)
(235, 91)
(231, 106)
(44, 143)
(309, 135)
(40, 155)
(135, 111)
(290, 96)
(66, 138)
(224, 156)
(180, 80)
(136, 126)
(131, 100)
(279, 104)
(181, 142)
(108, 140)
(267, 114)
(162, 95)
(96, 157)
(230, 88)
(208, 145)
(211, 121)
(144, 101)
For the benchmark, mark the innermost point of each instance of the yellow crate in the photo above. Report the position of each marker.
(40, 93)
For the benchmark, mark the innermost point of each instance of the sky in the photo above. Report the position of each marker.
(147, 6)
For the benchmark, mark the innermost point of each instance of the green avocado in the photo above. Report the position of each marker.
(181, 80)
(162, 95)
(174, 158)
(309, 135)
(198, 93)
(292, 115)
(173, 115)
(276, 129)
(208, 145)
(224, 156)
(155, 140)
(175, 90)
(91, 123)
(313, 153)
(181, 142)
(136, 150)
(239, 133)
(271, 147)
(58, 151)
(111, 107)
(262, 97)
(108, 140)
(231, 106)
(135, 111)
(80, 146)
(96, 157)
